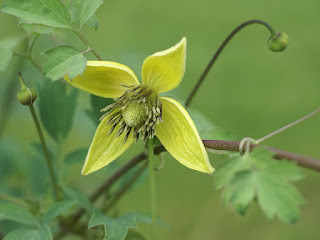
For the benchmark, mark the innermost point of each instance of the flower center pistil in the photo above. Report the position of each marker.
(138, 111)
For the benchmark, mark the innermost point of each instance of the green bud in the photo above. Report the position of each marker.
(278, 42)
(27, 96)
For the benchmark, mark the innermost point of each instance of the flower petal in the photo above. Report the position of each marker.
(179, 136)
(105, 148)
(163, 71)
(104, 79)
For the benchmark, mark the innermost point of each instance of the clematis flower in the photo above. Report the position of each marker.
(139, 112)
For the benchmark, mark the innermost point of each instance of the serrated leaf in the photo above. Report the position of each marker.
(43, 233)
(80, 198)
(64, 60)
(57, 209)
(93, 22)
(117, 228)
(51, 13)
(257, 175)
(82, 10)
(9, 211)
(35, 28)
(277, 197)
(5, 58)
(57, 103)
(76, 156)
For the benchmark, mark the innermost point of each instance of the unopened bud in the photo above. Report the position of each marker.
(27, 96)
(278, 42)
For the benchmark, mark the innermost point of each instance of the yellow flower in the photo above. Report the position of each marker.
(138, 111)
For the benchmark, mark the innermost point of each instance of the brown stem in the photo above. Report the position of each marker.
(279, 154)
(108, 183)
(212, 144)
(126, 187)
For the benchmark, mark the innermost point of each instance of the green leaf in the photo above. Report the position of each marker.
(258, 176)
(57, 209)
(226, 171)
(133, 235)
(126, 179)
(43, 233)
(81, 199)
(11, 42)
(277, 197)
(96, 104)
(64, 60)
(117, 228)
(51, 13)
(39, 182)
(241, 189)
(82, 10)
(207, 129)
(57, 103)
(9, 211)
(5, 58)
(93, 22)
(35, 28)
(76, 156)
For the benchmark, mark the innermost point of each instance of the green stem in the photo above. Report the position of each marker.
(152, 188)
(287, 126)
(45, 151)
(86, 42)
(13, 200)
(218, 52)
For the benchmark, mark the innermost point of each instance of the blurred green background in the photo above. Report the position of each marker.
(251, 92)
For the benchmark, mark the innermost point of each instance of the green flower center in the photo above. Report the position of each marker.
(135, 114)
(138, 111)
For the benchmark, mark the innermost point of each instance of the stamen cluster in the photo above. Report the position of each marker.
(138, 111)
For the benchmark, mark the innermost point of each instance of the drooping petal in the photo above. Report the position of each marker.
(105, 148)
(104, 79)
(179, 136)
(163, 71)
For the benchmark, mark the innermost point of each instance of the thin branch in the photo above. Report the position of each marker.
(288, 126)
(218, 52)
(86, 42)
(118, 195)
(211, 144)
(110, 181)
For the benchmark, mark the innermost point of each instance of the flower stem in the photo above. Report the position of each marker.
(287, 126)
(152, 187)
(218, 52)
(86, 42)
(45, 151)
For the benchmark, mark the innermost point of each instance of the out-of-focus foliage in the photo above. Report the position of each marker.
(242, 94)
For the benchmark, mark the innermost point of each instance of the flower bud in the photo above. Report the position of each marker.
(27, 96)
(278, 42)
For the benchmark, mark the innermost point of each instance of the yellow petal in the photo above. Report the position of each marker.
(163, 71)
(105, 148)
(104, 79)
(179, 136)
